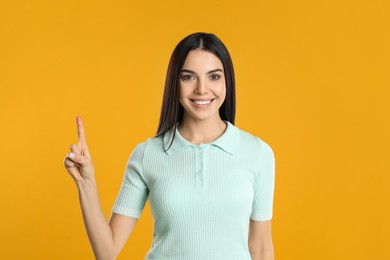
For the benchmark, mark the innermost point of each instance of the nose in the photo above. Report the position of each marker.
(201, 87)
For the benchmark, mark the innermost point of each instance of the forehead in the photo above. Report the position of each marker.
(200, 60)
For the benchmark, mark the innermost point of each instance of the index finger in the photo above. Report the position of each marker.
(80, 130)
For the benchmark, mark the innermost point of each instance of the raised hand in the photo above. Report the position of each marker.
(78, 162)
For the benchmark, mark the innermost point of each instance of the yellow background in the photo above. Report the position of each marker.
(312, 81)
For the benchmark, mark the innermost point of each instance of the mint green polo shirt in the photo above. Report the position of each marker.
(202, 197)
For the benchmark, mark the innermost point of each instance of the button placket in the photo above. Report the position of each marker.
(199, 175)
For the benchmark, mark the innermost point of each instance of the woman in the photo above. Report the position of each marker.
(210, 185)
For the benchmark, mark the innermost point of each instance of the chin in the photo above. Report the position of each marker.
(201, 116)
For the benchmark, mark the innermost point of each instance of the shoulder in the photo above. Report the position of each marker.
(254, 145)
(256, 154)
(143, 152)
(151, 145)
(260, 153)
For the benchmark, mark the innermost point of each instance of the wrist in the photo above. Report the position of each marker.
(86, 184)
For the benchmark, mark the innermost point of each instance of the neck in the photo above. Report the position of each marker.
(201, 131)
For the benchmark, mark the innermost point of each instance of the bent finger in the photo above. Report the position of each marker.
(78, 158)
(68, 162)
(75, 148)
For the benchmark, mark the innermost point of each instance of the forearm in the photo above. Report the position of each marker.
(97, 227)
(263, 255)
(267, 256)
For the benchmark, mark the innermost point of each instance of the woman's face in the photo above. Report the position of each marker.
(202, 85)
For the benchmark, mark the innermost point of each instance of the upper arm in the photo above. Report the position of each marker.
(264, 183)
(134, 190)
(121, 227)
(260, 237)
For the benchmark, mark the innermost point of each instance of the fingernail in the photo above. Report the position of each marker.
(71, 155)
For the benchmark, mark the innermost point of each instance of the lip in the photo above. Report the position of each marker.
(202, 106)
(201, 99)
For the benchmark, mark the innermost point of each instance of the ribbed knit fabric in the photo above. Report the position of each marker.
(201, 196)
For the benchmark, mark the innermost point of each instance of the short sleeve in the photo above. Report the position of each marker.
(134, 191)
(264, 184)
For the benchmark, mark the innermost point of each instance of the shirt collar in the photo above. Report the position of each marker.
(229, 141)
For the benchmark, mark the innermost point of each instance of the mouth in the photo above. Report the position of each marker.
(202, 102)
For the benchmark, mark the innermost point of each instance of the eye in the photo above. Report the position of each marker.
(187, 77)
(215, 77)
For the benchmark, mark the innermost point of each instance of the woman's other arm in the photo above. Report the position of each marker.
(106, 238)
(260, 240)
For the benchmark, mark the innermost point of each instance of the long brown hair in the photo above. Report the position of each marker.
(172, 111)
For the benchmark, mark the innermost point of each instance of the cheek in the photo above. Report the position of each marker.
(185, 89)
(182, 94)
(221, 90)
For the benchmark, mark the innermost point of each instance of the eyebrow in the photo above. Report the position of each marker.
(193, 72)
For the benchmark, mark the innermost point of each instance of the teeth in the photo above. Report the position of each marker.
(202, 102)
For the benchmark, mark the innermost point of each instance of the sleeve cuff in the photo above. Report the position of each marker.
(261, 217)
(126, 212)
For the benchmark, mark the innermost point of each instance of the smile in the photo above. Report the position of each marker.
(202, 102)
